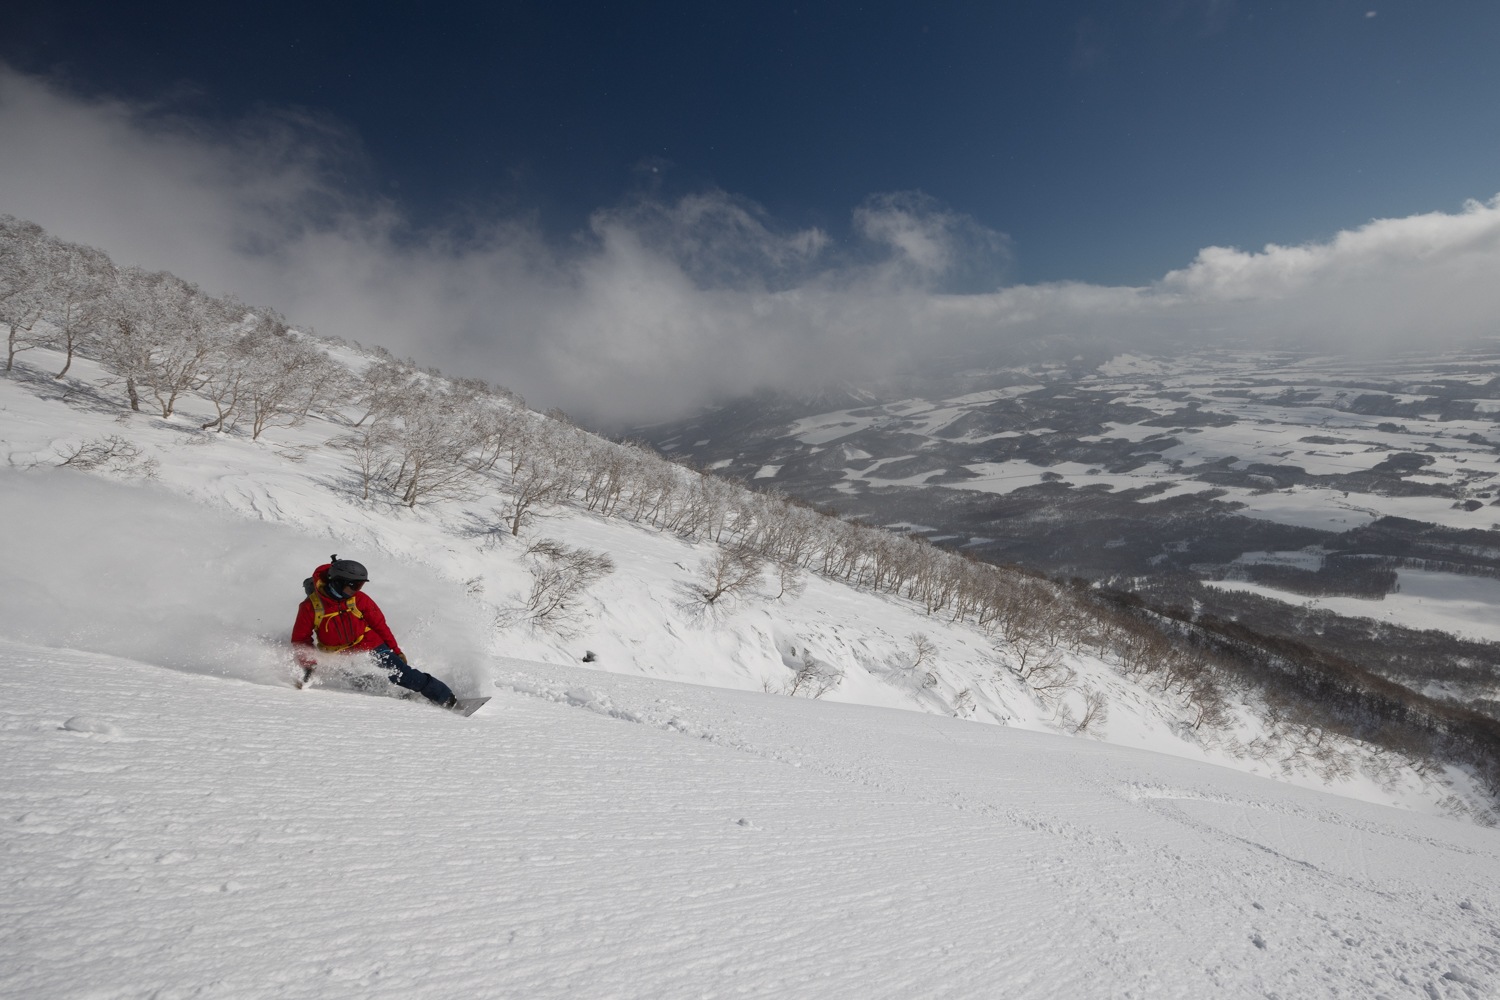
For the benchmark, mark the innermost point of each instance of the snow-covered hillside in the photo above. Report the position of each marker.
(180, 821)
(198, 566)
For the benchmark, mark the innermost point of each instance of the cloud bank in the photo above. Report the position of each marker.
(662, 305)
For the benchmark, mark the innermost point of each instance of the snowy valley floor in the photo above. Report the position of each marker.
(168, 834)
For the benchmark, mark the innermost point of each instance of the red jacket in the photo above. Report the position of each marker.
(340, 628)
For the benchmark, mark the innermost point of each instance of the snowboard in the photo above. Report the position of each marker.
(468, 706)
(354, 683)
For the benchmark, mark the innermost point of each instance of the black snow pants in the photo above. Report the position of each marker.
(409, 677)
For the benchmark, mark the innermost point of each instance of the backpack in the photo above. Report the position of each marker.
(321, 603)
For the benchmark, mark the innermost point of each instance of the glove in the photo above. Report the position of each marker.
(305, 660)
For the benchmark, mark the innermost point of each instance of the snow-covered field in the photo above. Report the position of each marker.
(1460, 605)
(594, 835)
(1319, 435)
(1303, 433)
(179, 821)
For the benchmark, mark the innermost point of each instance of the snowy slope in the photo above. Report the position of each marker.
(593, 835)
(199, 568)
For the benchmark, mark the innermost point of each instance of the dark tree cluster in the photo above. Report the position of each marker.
(1337, 577)
(1316, 673)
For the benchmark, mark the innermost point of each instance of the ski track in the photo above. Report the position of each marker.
(593, 835)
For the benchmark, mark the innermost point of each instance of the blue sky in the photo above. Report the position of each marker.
(882, 149)
(1109, 141)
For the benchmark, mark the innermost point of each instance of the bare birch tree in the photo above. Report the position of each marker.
(25, 273)
(727, 573)
(561, 574)
(78, 306)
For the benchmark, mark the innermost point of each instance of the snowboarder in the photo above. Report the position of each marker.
(339, 617)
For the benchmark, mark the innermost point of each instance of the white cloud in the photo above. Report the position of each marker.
(929, 243)
(1424, 279)
(662, 305)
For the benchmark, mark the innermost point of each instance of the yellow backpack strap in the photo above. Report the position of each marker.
(321, 614)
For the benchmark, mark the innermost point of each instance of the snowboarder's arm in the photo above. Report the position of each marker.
(302, 631)
(302, 635)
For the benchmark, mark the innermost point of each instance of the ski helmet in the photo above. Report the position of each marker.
(346, 571)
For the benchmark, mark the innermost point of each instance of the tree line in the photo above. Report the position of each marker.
(159, 338)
